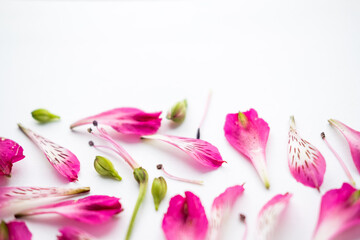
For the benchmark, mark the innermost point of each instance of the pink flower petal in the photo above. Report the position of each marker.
(64, 161)
(70, 233)
(10, 152)
(249, 138)
(93, 209)
(270, 215)
(339, 211)
(306, 163)
(185, 218)
(221, 208)
(352, 137)
(126, 121)
(203, 152)
(12, 195)
(14, 230)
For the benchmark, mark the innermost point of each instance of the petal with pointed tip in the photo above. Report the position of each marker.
(70, 233)
(64, 161)
(270, 215)
(10, 152)
(185, 218)
(248, 134)
(306, 163)
(126, 121)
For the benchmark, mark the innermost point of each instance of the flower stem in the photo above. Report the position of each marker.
(204, 115)
(160, 167)
(339, 159)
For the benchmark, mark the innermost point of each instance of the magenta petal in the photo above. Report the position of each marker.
(221, 208)
(270, 214)
(126, 121)
(185, 218)
(70, 233)
(18, 231)
(10, 152)
(339, 211)
(64, 161)
(93, 209)
(352, 137)
(203, 152)
(306, 163)
(250, 139)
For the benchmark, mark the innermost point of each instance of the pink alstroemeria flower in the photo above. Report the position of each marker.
(92, 210)
(14, 230)
(70, 233)
(10, 152)
(221, 208)
(352, 137)
(339, 211)
(126, 121)
(248, 134)
(64, 161)
(270, 215)
(185, 218)
(201, 151)
(306, 163)
(14, 195)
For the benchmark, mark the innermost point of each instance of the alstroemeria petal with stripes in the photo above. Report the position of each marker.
(64, 161)
(70, 233)
(10, 152)
(306, 163)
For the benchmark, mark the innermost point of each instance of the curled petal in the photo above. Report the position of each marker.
(64, 161)
(248, 134)
(92, 210)
(306, 163)
(10, 152)
(352, 137)
(14, 230)
(70, 233)
(126, 121)
(221, 208)
(185, 218)
(200, 150)
(270, 215)
(339, 211)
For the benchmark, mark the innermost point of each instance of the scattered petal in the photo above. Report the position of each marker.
(70, 233)
(92, 210)
(306, 163)
(14, 230)
(221, 208)
(64, 161)
(201, 151)
(185, 218)
(248, 134)
(270, 215)
(10, 152)
(126, 121)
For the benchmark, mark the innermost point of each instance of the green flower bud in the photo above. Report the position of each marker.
(4, 231)
(43, 115)
(140, 175)
(158, 191)
(178, 112)
(105, 168)
(243, 120)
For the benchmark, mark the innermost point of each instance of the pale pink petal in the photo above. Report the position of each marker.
(70, 233)
(221, 208)
(250, 139)
(64, 161)
(270, 215)
(93, 209)
(185, 218)
(13, 195)
(10, 152)
(18, 231)
(201, 151)
(339, 211)
(126, 121)
(352, 137)
(306, 163)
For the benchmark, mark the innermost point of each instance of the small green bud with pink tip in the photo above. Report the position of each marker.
(177, 113)
(104, 167)
(44, 116)
(158, 191)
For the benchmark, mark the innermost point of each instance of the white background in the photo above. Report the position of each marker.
(78, 58)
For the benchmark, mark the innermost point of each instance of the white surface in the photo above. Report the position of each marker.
(78, 58)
